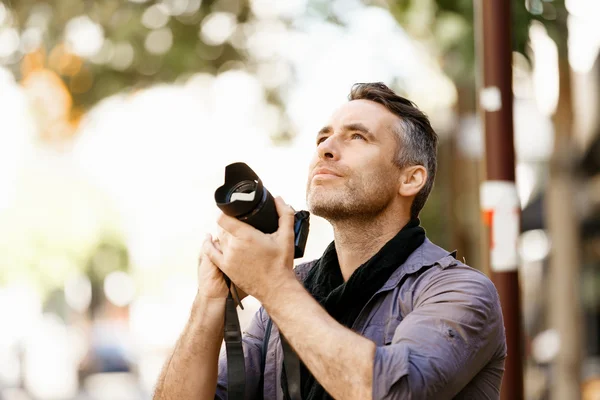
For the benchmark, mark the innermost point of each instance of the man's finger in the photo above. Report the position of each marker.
(286, 217)
(234, 226)
(222, 240)
(213, 253)
(207, 238)
(217, 244)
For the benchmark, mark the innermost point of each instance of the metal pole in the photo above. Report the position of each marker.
(499, 200)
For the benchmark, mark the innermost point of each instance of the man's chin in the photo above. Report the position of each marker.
(328, 210)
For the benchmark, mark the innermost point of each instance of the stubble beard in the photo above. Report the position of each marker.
(350, 202)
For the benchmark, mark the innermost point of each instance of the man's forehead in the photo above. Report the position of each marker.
(369, 113)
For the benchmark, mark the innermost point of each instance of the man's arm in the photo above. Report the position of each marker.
(453, 332)
(341, 360)
(437, 349)
(191, 371)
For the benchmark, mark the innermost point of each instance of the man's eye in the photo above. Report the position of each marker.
(358, 135)
(321, 140)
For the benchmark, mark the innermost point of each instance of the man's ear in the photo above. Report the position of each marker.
(412, 180)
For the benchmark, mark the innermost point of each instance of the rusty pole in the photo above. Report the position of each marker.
(499, 200)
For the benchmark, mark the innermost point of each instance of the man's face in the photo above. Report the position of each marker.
(352, 174)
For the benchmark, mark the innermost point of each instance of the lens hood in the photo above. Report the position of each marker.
(244, 197)
(239, 175)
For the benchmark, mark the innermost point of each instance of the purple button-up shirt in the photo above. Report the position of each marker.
(437, 324)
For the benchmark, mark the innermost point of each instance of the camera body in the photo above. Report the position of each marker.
(244, 197)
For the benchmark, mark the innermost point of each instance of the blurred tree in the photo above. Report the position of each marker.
(448, 28)
(100, 47)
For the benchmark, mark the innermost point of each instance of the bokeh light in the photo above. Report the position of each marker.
(155, 17)
(9, 41)
(119, 288)
(159, 41)
(217, 28)
(83, 36)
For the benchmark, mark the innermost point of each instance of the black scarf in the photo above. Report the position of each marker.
(344, 300)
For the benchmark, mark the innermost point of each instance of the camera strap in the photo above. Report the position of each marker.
(291, 367)
(236, 366)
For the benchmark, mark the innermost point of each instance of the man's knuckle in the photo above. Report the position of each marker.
(236, 244)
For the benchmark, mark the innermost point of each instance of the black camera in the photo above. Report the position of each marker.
(244, 197)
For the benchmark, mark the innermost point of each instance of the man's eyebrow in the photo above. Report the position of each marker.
(325, 130)
(357, 127)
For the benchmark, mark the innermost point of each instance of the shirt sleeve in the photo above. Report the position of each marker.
(252, 342)
(454, 330)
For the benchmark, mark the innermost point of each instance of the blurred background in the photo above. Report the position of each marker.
(117, 118)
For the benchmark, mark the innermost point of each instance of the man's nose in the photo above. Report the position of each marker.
(328, 149)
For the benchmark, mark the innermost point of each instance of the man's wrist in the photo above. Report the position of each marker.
(281, 292)
(208, 312)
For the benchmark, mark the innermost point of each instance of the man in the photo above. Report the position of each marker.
(384, 313)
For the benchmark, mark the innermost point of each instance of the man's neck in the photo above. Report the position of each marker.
(357, 241)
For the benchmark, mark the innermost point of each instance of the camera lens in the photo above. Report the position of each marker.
(244, 197)
(244, 191)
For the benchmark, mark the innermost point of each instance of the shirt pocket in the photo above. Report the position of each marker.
(390, 328)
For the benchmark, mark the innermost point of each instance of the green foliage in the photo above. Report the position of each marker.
(448, 26)
(445, 26)
(121, 21)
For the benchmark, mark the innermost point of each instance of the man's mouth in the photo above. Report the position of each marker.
(325, 173)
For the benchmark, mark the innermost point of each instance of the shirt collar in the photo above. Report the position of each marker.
(426, 255)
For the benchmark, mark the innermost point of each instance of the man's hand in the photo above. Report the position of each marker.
(211, 283)
(257, 263)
